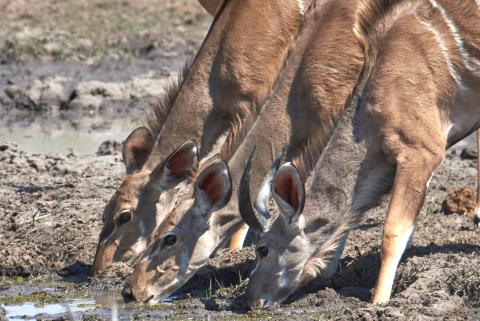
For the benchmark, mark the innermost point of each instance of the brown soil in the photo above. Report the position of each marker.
(51, 205)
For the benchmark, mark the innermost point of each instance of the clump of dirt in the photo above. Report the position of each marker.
(109, 147)
(117, 270)
(459, 200)
(52, 218)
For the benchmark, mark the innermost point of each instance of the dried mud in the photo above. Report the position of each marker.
(101, 82)
(51, 208)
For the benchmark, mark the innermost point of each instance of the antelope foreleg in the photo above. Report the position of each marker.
(236, 242)
(408, 195)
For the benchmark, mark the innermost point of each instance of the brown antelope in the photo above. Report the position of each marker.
(417, 95)
(302, 111)
(221, 92)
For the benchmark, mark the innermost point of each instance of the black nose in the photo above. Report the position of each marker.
(127, 294)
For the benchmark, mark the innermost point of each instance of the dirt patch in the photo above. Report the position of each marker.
(52, 216)
(92, 67)
(460, 200)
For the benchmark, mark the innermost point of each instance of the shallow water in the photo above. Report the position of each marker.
(28, 310)
(34, 140)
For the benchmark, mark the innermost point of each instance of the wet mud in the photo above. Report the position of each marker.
(52, 209)
(63, 116)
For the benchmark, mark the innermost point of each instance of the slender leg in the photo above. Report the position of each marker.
(236, 242)
(408, 195)
(477, 207)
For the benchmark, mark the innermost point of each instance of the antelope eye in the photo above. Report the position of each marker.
(262, 251)
(170, 239)
(124, 217)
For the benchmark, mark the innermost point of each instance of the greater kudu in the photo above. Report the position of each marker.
(417, 95)
(302, 112)
(220, 92)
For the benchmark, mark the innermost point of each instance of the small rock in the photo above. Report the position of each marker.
(468, 153)
(21, 99)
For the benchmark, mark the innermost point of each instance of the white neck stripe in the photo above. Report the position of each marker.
(456, 35)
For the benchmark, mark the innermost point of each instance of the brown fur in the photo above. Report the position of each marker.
(232, 74)
(417, 94)
(303, 105)
(412, 138)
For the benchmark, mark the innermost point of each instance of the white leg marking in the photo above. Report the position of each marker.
(398, 255)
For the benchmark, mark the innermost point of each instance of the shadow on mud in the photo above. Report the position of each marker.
(356, 276)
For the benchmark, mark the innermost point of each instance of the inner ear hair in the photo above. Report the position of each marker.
(136, 149)
(288, 191)
(184, 160)
(214, 185)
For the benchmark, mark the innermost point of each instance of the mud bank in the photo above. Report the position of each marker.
(74, 74)
(51, 207)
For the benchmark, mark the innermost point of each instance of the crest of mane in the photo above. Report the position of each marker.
(156, 117)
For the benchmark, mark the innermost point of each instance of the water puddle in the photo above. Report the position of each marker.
(28, 310)
(35, 141)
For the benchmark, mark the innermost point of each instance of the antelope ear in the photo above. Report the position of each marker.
(288, 191)
(213, 188)
(136, 149)
(178, 166)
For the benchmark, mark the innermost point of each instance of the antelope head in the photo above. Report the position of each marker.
(133, 212)
(284, 250)
(175, 254)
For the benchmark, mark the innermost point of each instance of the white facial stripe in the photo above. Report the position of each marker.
(139, 246)
(282, 280)
(255, 268)
(184, 261)
(455, 34)
(143, 231)
(157, 298)
(301, 6)
(105, 240)
(445, 52)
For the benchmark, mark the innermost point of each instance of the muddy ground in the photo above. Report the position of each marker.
(90, 70)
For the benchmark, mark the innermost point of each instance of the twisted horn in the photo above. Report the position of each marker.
(247, 211)
(264, 193)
